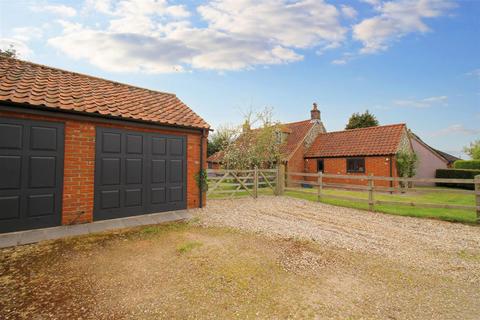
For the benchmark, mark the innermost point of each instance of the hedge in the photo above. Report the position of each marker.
(456, 174)
(467, 164)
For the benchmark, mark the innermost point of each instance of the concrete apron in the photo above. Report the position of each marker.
(36, 235)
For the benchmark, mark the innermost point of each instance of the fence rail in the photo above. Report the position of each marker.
(296, 178)
(248, 182)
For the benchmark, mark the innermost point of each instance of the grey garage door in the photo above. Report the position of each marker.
(138, 173)
(31, 174)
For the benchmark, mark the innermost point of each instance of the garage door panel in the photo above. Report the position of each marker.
(10, 207)
(110, 199)
(111, 142)
(159, 146)
(10, 172)
(175, 171)
(152, 173)
(110, 171)
(42, 172)
(133, 197)
(175, 194)
(175, 147)
(134, 171)
(134, 144)
(31, 174)
(158, 195)
(41, 205)
(43, 138)
(11, 136)
(158, 171)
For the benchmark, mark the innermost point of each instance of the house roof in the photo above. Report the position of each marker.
(445, 156)
(217, 157)
(298, 131)
(450, 158)
(296, 134)
(381, 140)
(41, 86)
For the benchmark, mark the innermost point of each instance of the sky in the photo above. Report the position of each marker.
(413, 62)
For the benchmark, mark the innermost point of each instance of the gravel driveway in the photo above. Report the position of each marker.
(438, 246)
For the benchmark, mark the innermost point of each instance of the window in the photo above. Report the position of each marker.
(356, 165)
(320, 165)
(210, 165)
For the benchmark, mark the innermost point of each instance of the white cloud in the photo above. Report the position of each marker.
(20, 46)
(27, 33)
(423, 103)
(455, 129)
(340, 61)
(349, 12)
(60, 10)
(154, 36)
(396, 19)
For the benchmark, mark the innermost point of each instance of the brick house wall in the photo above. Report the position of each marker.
(79, 163)
(375, 165)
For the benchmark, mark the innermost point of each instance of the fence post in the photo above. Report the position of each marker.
(280, 179)
(255, 182)
(371, 201)
(320, 185)
(477, 196)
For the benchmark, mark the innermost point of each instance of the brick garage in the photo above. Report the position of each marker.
(32, 96)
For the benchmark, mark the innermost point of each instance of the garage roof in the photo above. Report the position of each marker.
(42, 86)
(381, 140)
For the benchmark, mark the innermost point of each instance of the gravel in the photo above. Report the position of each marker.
(440, 246)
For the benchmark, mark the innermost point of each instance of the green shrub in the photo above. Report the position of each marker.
(467, 164)
(456, 174)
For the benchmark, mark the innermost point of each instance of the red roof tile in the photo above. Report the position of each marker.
(38, 85)
(382, 140)
(217, 157)
(298, 131)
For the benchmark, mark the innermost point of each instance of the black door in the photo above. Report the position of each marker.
(138, 173)
(31, 174)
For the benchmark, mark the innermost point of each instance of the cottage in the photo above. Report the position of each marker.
(363, 151)
(75, 148)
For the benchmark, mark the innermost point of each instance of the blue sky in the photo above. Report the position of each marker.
(416, 62)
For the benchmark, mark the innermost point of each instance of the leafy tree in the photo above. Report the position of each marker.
(11, 52)
(259, 147)
(406, 164)
(362, 120)
(473, 150)
(219, 139)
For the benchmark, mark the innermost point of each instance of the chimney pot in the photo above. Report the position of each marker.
(315, 113)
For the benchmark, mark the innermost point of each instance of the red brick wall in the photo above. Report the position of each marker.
(79, 164)
(378, 166)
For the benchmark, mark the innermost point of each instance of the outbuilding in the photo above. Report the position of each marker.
(76, 149)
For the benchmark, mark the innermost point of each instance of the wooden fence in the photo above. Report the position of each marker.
(321, 181)
(229, 183)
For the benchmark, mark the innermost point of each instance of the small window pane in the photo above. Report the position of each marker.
(356, 165)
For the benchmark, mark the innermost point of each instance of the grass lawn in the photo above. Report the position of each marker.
(187, 271)
(456, 215)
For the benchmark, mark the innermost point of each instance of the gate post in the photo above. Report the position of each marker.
(477, 196)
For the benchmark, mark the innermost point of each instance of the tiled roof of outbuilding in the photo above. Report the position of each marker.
(42, 86)
(381, 140)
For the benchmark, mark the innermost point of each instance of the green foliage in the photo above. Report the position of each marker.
(362, 120)
(258, 147)
(457, 174)
(406, 164)
(188, 246)
(202, 180)
(219, 140)
(467, 164)
(11, 52)
(473, 150)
